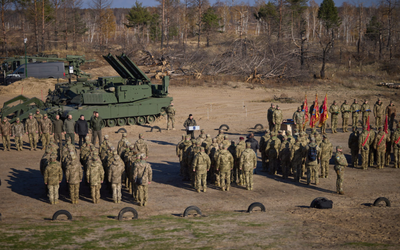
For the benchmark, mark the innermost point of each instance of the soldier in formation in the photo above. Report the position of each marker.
(334, 110)
(74, 175)
(248, 162)
(345, 110)
(52, 178)
(116, 170)
(224, 165)
(313, 155)
(18, 132)
(5, 132)
(340, 164)
(391, 113)
(298, 119)
(277, 118)
(95, 177)
(141, 146)
(201, 165)
(380, 143)
(32, 129)
(379, 113)
(355, 110)
(366, 110)
(326, 155)
(143, 176)
(45, 130)
(353, 145)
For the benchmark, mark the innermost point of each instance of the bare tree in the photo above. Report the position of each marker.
(99, 7)
(5, 4)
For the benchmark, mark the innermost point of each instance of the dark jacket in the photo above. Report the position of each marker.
(189, 122)
(254, 144)
(96, 123)
(81, 127)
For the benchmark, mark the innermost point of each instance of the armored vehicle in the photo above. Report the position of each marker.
(127, 99)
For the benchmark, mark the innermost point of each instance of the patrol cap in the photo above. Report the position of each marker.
(124, 134)
(106, 137)
(345, 101)
(45, 115)
(17, 119)
(379, 99)
(37, 110)
(338, 147)
(334, 101)
(202, 130)
(288, 132)
(272, 104)
(131, 146)
(198, 143)
(140, 136)
(30, 114)
(277, 106)
(298, 108)
(190, 115)
(187, 137)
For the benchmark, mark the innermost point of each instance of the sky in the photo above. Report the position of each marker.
(130, 3)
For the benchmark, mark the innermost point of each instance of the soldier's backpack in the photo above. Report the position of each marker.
(324, 204)
(312, 153)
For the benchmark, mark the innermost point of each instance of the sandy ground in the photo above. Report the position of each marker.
(353, 219)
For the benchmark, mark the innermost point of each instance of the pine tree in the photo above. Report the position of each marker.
(210, 23)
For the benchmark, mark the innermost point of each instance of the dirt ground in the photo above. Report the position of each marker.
(352, 223)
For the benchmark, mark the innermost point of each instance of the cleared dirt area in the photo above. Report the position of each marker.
(287, 223)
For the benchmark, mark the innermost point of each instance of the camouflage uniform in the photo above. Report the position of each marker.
(207, 142)
(340, 164)
(95, 176)
(277, 119)
(141, 146)
(396, 146)
(38, 116)
(195, 149)
(248, 162)
(184, 146)
(224, 165)
(122, 144)
(85, 153)
(263, 144)
(201, 164)
(298, 118)
(334, 110)
(391, 113)
(18, 131)
(45, 129)
(116, 170)
(355, 110)
(226, 142)
(380, 145)
(213, 152)
(238, 176)
(179, 154)
(270, 117)
(104, 147)
(365, 109)
(44, 162)
(52, 177)
(346, 110)
(285, 157)
(220, 137)
(372, 150)
(32, 128)
(298, 152)
(272, 151)
(134, 160)
(326, 155)
(353, 145)
(312, 166)
(5, 131)
(73, 175)
(143, 170)
(364, 141)
(170, 116)
(379, 113)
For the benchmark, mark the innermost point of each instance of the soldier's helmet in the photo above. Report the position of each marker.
(338, 147)
(183, 136)
(112, 148)
(45, 115)
(312, 139)
(248, 145)
(92, 147)
(299, 108)
(87, 138)
(198, 143)
(124, 134)
(131, 146)
(37, 110)
(208, 136)
(202, 131)
(214, 140)
(105, 137)
(288, 132)
(277, 106)
(116, 157)
(30, 114)
(17, 119)
(225, 136)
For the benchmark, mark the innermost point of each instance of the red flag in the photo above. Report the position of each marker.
(368, 127)
(305, 110)
(386, 125)
(324, 114)
(315, 113)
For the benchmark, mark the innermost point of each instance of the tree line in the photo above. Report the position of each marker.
(272, 38)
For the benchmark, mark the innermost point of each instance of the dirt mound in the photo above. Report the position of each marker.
(29, 86)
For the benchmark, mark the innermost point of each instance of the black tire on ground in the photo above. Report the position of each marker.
(122, 130)
(314, 202)
(60, 212)
(254, 205)
(0, 216)
(224, 126)
(125, 210)
(258, 125)
(380, 199)
(191, 208)
(155, 127)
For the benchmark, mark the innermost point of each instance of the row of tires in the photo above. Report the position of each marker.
(316, 203)
(139, 120)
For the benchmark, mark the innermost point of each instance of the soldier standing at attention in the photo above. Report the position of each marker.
(391, 113)
(179, 154)
(38, 116)
(5, 132)
(220, 137)
(364, 140)
(18, 132)
(45, 129)
(396, 146)
(141, 146)
(52, 178)
(277, 118)
(272, 151)
(96, 124)
(365, 109)
(326, 155)
(270, 117)
(95, 176)
(334, 110)
(355, 110)
(313, 155)
(372, 150)
(69, 129)
(122, 144)
(263, 141)
(58, 129)
(240, 147)
(248, 162)
(74, 175)
(379, 113)
(380, 145)
(346, 110)
(298, 118)
(224, 165)
(201, 165)
(190, 122)
(116, 170)
(32, 129)
(81, 129)
(353, 145)
(298, 152)
(340, 164)
(171, 116)
(142, 175)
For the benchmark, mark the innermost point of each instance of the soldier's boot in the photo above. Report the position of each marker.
(341, 192)
(144, 203)
(55, 201)
(198, 190)
(227, 188)
(222, 188)
(204, 189)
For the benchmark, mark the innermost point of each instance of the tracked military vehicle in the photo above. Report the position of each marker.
(127, 99)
